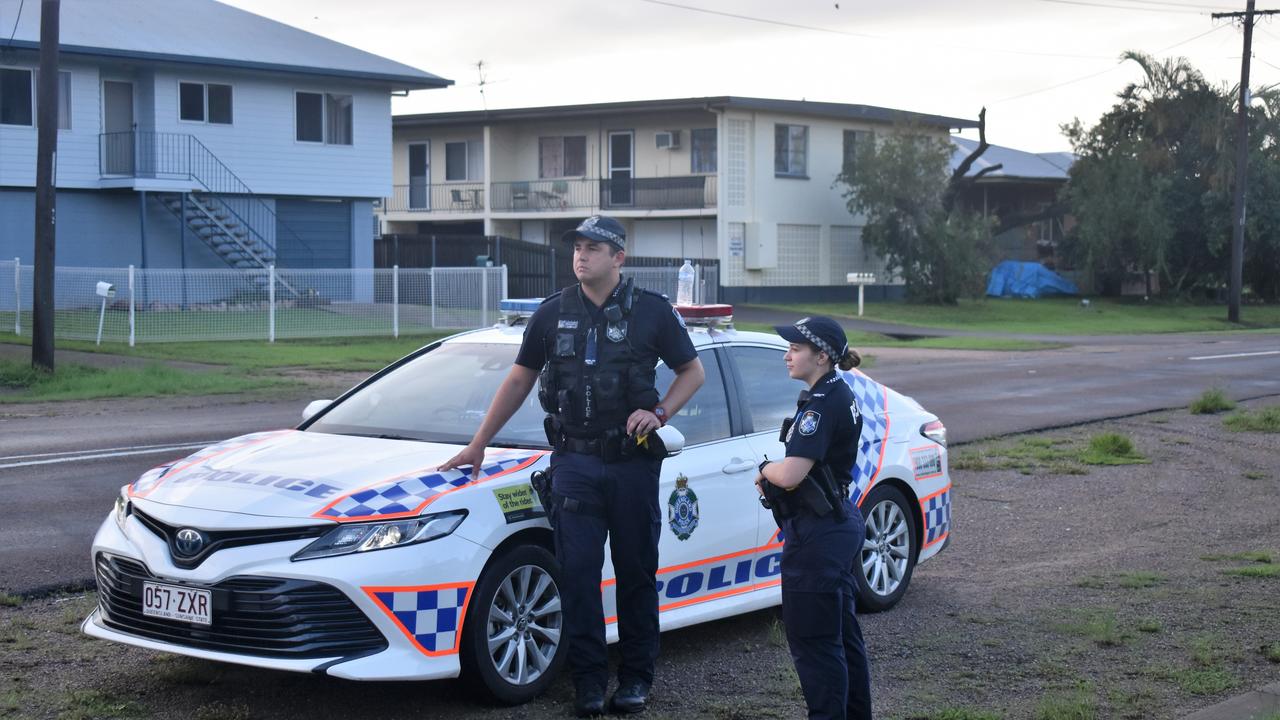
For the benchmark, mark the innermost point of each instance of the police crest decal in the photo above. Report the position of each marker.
(682, 509)
(808, 424)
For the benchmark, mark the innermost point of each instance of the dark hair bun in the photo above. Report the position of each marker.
(850, 360)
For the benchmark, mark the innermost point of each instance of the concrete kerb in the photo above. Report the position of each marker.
(1256, 705)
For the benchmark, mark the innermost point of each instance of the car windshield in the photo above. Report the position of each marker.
(440, 396)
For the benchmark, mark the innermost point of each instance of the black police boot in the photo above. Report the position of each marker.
(588, 701)
(630, 697)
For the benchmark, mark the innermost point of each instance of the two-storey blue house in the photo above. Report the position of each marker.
(194, 134)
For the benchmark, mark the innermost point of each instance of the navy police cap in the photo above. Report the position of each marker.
(819, 331)
(599, 228)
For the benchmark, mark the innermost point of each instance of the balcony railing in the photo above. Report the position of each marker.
(692, 192)
(567, 194)
(441, 198)
(659, 193)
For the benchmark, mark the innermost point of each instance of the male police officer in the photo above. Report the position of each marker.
(593, 348)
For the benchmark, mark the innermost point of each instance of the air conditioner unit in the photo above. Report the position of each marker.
(668, 140)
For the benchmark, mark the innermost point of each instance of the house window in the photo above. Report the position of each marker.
(853, 140)
(201, 102)
(18, 100)
(323, 117)
(562, 156)
(17, 103)
(790, 150)
(703, 145)
(455, 161)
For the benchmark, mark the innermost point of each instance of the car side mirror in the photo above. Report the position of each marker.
(672, 439)
(314, 407)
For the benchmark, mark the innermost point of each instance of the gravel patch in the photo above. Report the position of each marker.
(1132, 591)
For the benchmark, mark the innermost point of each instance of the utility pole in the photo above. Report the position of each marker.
(46, 192)
(1236, 273)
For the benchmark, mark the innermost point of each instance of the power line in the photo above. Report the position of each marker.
(1122, 7)
(1103, 72)
(14, 34)
(781, 23)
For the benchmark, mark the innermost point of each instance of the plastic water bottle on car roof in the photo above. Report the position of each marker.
(684, 285)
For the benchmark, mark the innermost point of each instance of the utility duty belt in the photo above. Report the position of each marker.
(818, 494)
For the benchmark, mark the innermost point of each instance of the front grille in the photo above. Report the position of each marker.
(263, 616)
(223, 539)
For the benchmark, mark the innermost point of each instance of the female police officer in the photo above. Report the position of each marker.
(822, 528)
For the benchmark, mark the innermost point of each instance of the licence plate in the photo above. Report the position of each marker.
(173, 602)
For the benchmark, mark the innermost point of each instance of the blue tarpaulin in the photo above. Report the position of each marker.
(1027, 280)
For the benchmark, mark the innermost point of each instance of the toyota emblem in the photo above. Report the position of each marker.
(189, 542)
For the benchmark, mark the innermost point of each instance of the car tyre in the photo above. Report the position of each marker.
(514, 644)
(888, 557)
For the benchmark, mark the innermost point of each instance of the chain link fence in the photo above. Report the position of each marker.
(133, 305)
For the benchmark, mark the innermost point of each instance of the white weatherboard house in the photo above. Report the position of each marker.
(193, 134)
(745, 181)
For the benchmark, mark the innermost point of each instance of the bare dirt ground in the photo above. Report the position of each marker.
(1133, 591)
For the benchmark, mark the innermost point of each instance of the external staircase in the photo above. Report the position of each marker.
(221, 210)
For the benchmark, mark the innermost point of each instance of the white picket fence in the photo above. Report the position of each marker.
(175, 305)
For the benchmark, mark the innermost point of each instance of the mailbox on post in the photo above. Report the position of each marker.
(862, 280)
(106, 291)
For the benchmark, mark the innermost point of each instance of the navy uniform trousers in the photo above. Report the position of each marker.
(817, 608)
(618, 500)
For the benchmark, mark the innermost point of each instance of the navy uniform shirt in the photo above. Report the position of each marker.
(654, 329)
(827, 426)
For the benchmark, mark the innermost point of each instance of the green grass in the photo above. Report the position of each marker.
(1254, 571)
(9, 600)
(861, 339)
(93, 704)
(1272, 652)
(1256, 556)
(958, 714)
(1140, 580)
(981, 343)
(1078, 704)
(1112, 449)
(1054, 316)
(1150, 625)
(1211, 401)
(1099, 626)
(1265, 420)
(1205, 680)
(346, 353)
(20, 383)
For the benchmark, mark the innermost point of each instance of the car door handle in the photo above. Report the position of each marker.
(737, 465)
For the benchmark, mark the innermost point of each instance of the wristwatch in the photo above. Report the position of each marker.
(661, 414)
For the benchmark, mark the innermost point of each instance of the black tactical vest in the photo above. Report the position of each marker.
(594, 379)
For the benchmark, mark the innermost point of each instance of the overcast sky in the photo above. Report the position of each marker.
(1028, 61)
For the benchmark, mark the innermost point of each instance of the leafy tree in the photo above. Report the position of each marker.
(900, 185)
(1151, 188)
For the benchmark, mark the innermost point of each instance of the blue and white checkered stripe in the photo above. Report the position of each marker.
(406, 494)
(937, 516)
(430, 617)
(872, 404)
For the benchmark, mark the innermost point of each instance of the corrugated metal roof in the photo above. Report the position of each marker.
(203, 32)
(1017, 164)
(796, 107)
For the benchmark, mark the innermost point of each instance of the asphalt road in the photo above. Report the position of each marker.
(62, 464)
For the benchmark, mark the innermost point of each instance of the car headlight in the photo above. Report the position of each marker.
(363, 537)
(122, 509)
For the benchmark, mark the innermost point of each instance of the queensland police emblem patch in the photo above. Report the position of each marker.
(616, 332)
(808, 424)
(682, 509)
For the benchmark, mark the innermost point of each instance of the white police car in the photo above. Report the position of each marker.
(336, 547)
